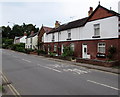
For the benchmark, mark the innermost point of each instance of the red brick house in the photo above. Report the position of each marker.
(41, 34)
(90, 37)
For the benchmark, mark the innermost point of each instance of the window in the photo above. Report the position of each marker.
(97, 30)
(69, 34)
(53, 37)
(55, 47)
(72, 46)
(101, 47)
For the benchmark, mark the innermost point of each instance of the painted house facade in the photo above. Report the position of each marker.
(21, 39)
(32, 41)
(90, 37)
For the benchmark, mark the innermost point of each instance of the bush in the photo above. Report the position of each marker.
(18, 47)
(111, 52)
(52, 54)
(28, 50)
(7, 43)
(41, 52)
(67, 52)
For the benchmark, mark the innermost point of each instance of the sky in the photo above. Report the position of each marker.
(46, 12)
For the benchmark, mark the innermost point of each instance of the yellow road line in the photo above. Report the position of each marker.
(11, 87)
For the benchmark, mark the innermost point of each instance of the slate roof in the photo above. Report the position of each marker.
(73, 24)
(32, 35)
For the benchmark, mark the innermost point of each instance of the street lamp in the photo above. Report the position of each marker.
(11, 23)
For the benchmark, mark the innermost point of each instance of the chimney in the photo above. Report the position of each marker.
(32, 32)
(25, 34)
(90, 11)
(57, 24)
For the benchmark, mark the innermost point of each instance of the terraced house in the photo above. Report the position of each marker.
(32, 41)
(89, 37)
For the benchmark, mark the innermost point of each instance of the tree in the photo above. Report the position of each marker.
(18, 30)
(6, 31)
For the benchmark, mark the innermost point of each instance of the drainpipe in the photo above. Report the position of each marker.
(58, 42)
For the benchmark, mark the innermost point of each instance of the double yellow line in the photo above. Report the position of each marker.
(10, 86)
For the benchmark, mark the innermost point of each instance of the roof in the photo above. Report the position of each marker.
(32, 35)
(16, 37)
(73, 24)
(47, 29)
(80, 22)
(109, 11)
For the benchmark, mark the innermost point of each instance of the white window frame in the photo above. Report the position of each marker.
(103, 45)
(96, 29)
(55, 47)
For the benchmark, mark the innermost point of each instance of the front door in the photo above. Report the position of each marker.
(84, 51)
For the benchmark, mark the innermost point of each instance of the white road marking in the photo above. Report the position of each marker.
(75, 70)
(26, 60)
(49, 68)
(103, 85)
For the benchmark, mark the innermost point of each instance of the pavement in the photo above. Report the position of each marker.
(38, 75)
(107, 69)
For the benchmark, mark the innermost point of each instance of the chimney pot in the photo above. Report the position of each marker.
(90, 11)
(57, 24)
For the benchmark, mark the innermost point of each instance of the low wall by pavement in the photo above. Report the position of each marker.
(99, 62)
(87, 61)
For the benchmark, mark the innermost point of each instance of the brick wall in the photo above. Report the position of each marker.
(91, 47)
(100, 13)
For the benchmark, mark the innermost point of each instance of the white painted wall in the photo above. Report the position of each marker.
(108, 29)
(34, 42)
(23, 39)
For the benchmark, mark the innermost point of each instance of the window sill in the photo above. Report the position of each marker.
(69, 39)
(101, 55)
(53, 40)
(96, 37)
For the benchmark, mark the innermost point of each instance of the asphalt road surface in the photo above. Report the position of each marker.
(35, 75)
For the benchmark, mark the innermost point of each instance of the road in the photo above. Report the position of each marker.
(35, 75)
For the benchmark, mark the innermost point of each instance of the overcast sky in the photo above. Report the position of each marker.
(46, 12)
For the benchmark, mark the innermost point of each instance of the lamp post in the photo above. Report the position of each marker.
(12, 23)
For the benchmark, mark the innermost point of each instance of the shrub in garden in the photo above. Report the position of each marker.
(41, 52)
(52, 54)
(111, 52)
(67, 52)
